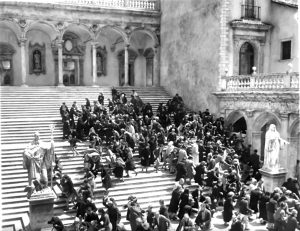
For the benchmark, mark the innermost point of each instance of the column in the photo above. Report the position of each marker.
(23, 60)
(156, 64)
(250, 123)
(283, 154)
(60, 64)
(126, 64)
(94, 59)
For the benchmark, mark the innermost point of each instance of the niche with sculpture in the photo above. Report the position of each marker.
(37, 54)
(101, 60)
(6, 64)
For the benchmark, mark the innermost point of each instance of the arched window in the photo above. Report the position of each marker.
(246, 59)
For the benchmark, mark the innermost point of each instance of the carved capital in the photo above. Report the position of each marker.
(141, 51)
(94, 28)
(113, 48)
(22, 41)
(60, 26)
(22, 23)
(249, 113)
(284, 116)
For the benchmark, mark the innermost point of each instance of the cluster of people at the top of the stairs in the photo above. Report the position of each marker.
(194, 146)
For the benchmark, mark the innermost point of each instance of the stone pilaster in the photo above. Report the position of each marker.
(156, 63)
(283, 158)
(60, 63)
(23, 60)
(126, 65)
(94, 59)
(224, 40)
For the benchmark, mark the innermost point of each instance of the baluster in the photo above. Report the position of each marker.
(239, 81)
(262, 83)
(235, 84)
(231, 84)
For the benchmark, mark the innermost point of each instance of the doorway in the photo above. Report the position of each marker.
(246, 59)
(131, 73)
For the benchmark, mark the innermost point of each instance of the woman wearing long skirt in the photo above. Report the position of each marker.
(228, 208)
(145, 158)
(120, 164)
(129, 163)
(106, 180)
(174, 202)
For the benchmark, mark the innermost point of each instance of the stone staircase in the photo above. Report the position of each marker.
(25, 110)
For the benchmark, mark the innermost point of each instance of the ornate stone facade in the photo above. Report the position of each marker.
(261, 108)
(67, 32)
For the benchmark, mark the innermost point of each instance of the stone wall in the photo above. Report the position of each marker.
(190, 38)
(285, 27)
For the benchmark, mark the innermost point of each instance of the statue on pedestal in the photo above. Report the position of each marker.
(37, 159)
(273, 144)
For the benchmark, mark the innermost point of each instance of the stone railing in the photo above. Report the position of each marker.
(146, 5)
(260, 82)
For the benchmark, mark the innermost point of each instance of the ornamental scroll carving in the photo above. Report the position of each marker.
(37, 55)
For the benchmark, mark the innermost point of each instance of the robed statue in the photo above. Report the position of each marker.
(273, 144)
(37, 159)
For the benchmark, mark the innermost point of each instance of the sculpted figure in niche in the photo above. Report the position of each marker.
(37, 160)
(273, 144)
(37, 60)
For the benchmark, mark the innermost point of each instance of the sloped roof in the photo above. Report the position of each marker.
(291, 3)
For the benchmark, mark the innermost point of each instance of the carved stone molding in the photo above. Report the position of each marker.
(280, 101)
(37, 56)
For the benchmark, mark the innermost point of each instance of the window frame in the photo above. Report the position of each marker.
(281, 49)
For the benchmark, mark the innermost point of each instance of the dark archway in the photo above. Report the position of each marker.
(6, 64)
(240, 125)
(246, 59)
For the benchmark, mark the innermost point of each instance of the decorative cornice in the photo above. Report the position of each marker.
(259, 96)
(244, 24)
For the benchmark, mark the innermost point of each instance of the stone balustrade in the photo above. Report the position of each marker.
(147, 5)
(261, 82)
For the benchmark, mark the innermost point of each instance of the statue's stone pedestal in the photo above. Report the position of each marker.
(273, 179)
(41, 208)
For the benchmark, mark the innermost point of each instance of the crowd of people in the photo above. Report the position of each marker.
(194, 146)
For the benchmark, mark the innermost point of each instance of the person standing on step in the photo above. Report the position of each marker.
(101, 98)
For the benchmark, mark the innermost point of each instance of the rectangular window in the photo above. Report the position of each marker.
(286, 49)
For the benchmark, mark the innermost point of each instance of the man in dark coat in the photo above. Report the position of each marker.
(254, 162)
(113, 212)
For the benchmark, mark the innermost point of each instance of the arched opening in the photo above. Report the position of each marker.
(240, 126)
(246, 59)
(6, 64)
(149, 55)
